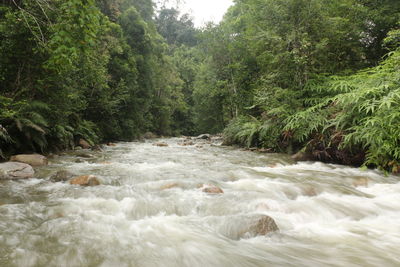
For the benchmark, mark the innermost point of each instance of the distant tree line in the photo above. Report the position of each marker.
(318, 76)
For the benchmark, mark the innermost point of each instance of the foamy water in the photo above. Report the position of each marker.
(328, 215)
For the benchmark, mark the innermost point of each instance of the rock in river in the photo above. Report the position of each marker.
(263, 225)
(98, 148)
(150, 135)
(31, 159)
(160, 144)
(302, 156)
(247, 226)
(255, 225)
(212, 189)
(15, 170)
(84, 144)
(361, 181)
(204, 136)
(169, 186)
(61, 176)
(85, 180)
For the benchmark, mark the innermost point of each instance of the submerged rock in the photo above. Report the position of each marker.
(162, 144)
(169, 186)
(61, 176)
(16, 170)
(212, 189)
(309, 191)
(247, 226)
(31, 159)
(362, 181)
(187, 143)
(85, 180)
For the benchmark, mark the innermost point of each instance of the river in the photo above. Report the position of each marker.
(150, 211)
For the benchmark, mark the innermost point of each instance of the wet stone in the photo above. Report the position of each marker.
(15, 170)
(31, 159)
(85, 180)
(211, 189)
(84, 144)
(61, 176)
(162, 144)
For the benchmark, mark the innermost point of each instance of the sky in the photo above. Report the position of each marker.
(206, 10)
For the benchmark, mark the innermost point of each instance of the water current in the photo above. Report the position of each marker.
(150, 211)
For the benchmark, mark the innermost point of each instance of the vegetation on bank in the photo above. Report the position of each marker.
(322, 76)
(97, 70)
(314, 75)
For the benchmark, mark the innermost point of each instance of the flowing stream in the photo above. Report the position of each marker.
(150, 211)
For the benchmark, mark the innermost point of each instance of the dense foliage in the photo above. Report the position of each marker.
(319, 76)
(313, 73)
(89, 69)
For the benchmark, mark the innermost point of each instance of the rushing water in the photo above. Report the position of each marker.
(328, 215)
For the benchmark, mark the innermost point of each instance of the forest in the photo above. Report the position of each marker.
(317, 76)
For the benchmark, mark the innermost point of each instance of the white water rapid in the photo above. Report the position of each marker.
(149, 211)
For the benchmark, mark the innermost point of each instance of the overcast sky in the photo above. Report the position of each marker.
(206, 10)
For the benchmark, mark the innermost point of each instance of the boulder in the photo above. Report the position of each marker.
(31, 159)
(362, 181)
(15, 170)
(204, 136)
(84, 144)
(85, 180)
(162, 144)
(262, 225)
(61, 176)
(111, 144)
(247, 226)
(212, 189)
(302, 156)
(187, 143)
